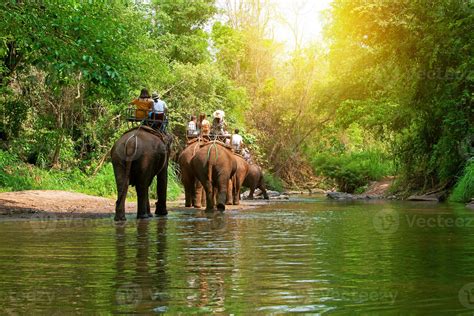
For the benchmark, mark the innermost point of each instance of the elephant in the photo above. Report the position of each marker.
(255, 180)
(233, 194)
(193, 189)
(138, 156)
(214, 165)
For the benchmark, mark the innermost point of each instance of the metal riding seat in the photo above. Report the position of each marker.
(157, 121)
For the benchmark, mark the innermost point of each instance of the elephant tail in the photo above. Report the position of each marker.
(209, 171)
(209, 164)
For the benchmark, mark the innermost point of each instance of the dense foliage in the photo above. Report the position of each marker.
(409, 68)
(389, 92)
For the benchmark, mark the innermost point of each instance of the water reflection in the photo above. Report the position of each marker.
(289, 258)
(141, 286)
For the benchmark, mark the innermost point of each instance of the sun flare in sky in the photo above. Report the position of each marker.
(298, 22)
(293, 23)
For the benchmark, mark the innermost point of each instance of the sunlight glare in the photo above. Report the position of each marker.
(299, 22)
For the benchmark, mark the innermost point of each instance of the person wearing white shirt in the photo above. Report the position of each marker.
(236, 140)
(159, 111)
(192, 126)
(159, 106)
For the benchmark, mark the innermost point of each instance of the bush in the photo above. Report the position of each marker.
(353, 171)
(272, 182)
(16, 175)
(464, 188)
(12, 177)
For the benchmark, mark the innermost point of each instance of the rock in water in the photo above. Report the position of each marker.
(423, 198)
(471, 204)
(341, 196)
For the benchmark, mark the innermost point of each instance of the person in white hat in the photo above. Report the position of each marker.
(218, 124)
(159, 111)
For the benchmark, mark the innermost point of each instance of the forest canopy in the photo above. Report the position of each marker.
(387, 91)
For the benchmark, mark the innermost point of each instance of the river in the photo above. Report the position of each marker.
(306, 255)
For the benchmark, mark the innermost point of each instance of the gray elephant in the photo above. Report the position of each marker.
(193, 190)
(233, 193)
(137, 157)
(255, 180)
(214, 165)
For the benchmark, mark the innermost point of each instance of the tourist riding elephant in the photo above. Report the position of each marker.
(214, 165)
(193, 190)
(137, 157)
(233, 194)
(255, 180)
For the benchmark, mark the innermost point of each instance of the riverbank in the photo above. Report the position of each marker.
(33, 203)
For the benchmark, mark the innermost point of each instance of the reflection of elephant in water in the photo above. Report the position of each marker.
(255, 180)
(139, 285)
(193, 189)
(137, 157)
(233, 195)
(214, 165)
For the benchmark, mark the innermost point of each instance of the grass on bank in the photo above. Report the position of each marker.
(352, 172)
(464, 189)
(16, 175)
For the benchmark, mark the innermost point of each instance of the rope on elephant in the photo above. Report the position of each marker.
(209, 150)
(136, 144)
(218, 142)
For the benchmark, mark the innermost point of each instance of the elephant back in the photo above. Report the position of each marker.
(164, 137)
(216, 142)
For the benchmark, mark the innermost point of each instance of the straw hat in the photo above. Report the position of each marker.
(219, 114)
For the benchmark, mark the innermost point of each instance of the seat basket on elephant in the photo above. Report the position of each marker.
(136, 115)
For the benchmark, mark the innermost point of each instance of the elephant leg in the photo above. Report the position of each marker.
(222, 193)
(148, 211)
(142, 197)
(188, 184)
(229, 193)
(236, 192)
(198, 194)
(252, 191)
(203, 196)
(209, 196)
(264, 190)
(122, 188)
(161, 187)
(188, 197)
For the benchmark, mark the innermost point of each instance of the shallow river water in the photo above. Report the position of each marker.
(310, 256)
